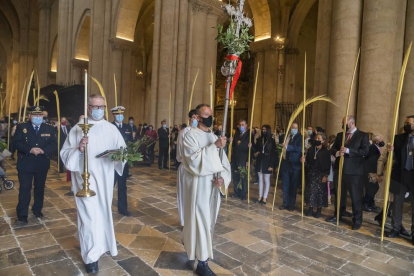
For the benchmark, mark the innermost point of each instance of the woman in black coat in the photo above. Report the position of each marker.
(265, 161)
(317, 167)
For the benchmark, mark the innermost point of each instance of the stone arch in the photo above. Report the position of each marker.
(295, 23)
(262, 20)
(54, 55)
(82, 41)
(126, 19)
(9, 12)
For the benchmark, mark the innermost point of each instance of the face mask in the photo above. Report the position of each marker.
(347, 127)
(119, 118)
(264, 133)
(294, 131)
(242, 128)
(14, 122)
(45, 119)
(37, 120)
(63, 123)
(207, 121)
(97, 114)
(318, 143)
(131, 122)
(150, 128)
(407, 129)
(145, 126)
(310, 132)
(164, 126)
(194, 123)
(381, 144)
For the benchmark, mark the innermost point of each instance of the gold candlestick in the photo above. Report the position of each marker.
(85, 192)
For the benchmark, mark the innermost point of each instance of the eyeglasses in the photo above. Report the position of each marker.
(98, 106)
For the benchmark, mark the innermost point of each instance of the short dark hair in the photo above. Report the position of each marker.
(145, 124)
(192, 113)
(183, 126)
(130, 118)
(199, 107)
(411, 116)
(140, 125)
(163, 121)
(243, 120)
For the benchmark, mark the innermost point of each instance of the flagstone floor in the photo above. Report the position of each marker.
(249, 239)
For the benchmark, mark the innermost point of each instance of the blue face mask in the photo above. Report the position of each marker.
(194, 123)
(242, 128)
(164, 126)
(119, 118)
(310, 132)
(294, 131)
(15, 122)
(97, 114)
(37, 121)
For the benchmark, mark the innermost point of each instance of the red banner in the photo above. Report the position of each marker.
(236, 75)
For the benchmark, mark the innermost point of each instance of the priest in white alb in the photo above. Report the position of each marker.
(193, 121)
(201, 185)
(95, 225)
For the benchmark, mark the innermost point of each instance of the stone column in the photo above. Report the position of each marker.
(407, 97)
(280, 75)
(290, 65)
(63, 43)
(346, 25)
(381, 59)
(210, 55)
(323, 43)
(44, 40)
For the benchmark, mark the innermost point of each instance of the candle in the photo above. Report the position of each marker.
(86, 95)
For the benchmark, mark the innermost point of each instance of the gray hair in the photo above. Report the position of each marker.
(95, 96)
(377, 137)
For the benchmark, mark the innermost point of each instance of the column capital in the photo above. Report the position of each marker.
(118, 44)
(266, 45)
(45, 4)
(208, 7)
(79, 63)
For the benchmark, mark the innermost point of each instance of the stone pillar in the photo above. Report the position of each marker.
(290, 65)
(61, 74)
(407, 97)
(380, 64)
(125, 90)
(257, 118)
(44, 40)
(346, 25)
(323, 43)
(280, 75)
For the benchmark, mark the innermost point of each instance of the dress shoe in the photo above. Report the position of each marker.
(234, 195)
(38, 214)
(291, 208)
(318, 213)
(92, 268)
(366, 208)
(282, 207)
(21, 221)
(204, 270)
(404, 232)
(379, 220)
(332, 219)
(259, 200)
(346, 214)
(243, 198)
(392, 234)
(310, 212)
(263, 203)
(356, 226)
(126, 214)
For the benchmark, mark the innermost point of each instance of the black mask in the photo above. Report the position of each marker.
(317, 143)
(381, 144)
(207, 121)
(347, 127)
(407, 129)
(263, 133)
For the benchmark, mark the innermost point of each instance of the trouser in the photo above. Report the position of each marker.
(371, 190)
(290, 181)
(11, 148)
(122, 189)
(26, 179)
(236, 179)
(350, 183)
(266, 179)
(397, 214)
(163, 157)
(61, 165)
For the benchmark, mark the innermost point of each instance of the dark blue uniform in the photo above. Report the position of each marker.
(126, 132)
(31, 167)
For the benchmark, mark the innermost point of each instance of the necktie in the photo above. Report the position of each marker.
(409, 162)
(64, 130)
(36, 129)
(348, 137)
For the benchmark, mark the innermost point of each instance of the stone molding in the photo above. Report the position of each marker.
(209, 7)
(265, 45)
(118, 44)
(292, 51)
(79, 63)
(45, 4)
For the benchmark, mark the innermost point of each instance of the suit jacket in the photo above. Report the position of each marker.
(370, 163)
(63, 136)
(400, 156)
(126, 132)
(240, 149)
(25, 138)
(163, 137)
(358, 148)
(294, 152)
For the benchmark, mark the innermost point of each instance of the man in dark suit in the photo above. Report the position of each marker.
(356, 147)
(64, 132)
(370, 169)
(126, 132)
(402, 177)
(163, 136)
(135, 130)
(240, 158)
(291, 167)
(35, 142)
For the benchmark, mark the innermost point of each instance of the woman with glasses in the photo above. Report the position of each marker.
(265, 161)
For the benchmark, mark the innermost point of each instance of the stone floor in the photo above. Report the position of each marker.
(249, 239)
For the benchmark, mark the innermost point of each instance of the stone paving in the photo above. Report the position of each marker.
(249, 239)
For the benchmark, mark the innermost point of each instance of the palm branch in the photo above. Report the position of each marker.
(102, 94)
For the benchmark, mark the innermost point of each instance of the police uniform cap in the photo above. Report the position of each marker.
(118, 110)
(36, 110)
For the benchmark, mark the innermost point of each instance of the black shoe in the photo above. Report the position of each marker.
(21, 221)
(204, 270)
(291, 208)
(234, 195)
(92, 268)
(318, 213)
(310, 212)
(129, 175)
(38, 214)
(126, 214)
(243, 198)
(392, 234)
(404, 232)
(282, 207)
(346, 214)
(366, 208)
(332, 219)
(379, 220)
(356, 226)
(259, 200)
(263, 203)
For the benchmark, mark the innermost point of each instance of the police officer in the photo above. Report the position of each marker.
(126, 132)
(35, 142)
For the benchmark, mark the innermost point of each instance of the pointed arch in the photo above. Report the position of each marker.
(54, 55)
(126, 19)
(82, 41)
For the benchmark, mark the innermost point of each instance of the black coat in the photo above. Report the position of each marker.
(358, 148)
(63, 136)
(370, 163)
(163, 137)
(126, 132)
(240, 149)
(266, 158)
(323, 159)
(25, 138)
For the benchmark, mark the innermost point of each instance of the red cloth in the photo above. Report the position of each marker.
(152, 134)
(68, 176)
(236, 75)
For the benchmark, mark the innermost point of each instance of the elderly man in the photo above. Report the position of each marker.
(291, 167)
(356, 147)
(201, 188)
(95, 225)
